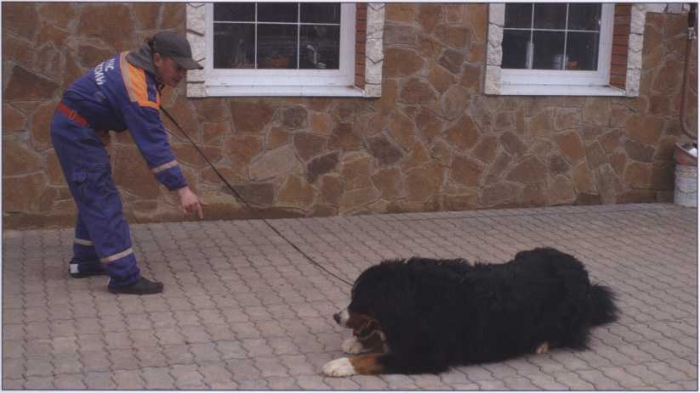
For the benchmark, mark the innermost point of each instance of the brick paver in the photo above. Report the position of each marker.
(243, 310)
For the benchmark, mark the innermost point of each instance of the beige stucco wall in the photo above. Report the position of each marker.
(433, 141)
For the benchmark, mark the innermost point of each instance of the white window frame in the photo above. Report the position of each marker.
(552, 82)
(200, 85)
(600, 77)
(282, 82)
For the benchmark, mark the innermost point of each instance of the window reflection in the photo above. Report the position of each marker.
(277, 35)
(551, 36)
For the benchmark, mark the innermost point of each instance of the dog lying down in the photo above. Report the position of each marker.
(424, 315)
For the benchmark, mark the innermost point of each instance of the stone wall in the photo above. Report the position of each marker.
(432, 142)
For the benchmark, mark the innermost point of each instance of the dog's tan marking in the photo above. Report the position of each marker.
(543, 348)
(367, 364)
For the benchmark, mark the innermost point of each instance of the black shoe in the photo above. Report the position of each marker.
(141, 287)
(82, 271)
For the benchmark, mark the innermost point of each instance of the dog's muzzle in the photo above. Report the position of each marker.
(342, 317)
(336, 317)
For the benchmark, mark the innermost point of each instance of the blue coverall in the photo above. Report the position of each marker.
(115, 95)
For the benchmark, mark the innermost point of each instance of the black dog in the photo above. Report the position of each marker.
(425, 315)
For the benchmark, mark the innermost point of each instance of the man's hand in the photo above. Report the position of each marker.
(189, 202)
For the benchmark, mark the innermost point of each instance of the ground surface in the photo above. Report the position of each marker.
(243, 310)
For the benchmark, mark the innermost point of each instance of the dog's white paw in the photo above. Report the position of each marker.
(543, 348)
(353, 346)
(340, 367)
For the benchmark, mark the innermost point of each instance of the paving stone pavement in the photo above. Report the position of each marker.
(243, 310)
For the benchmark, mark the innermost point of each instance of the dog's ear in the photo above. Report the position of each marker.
(523, 254)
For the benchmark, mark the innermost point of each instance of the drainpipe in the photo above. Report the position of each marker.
(686, 155)
(692, 36)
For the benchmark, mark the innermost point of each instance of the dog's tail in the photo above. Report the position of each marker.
(603, 308)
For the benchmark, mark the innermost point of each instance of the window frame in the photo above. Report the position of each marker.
(600, 77)
(494, 80)
(284, 82)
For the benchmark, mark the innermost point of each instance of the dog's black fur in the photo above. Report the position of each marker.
(438, 313)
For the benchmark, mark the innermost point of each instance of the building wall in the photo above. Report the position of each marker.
(432, 142)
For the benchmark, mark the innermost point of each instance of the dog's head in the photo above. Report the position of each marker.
(363, 325)
(361, 313)
(375, 297)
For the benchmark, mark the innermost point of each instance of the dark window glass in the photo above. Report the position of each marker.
(233, 45)
(320, 47)
(560, 37)
(234, 12)
(277, 46)
(278, 12)
(583, 51)
(518, 16)
(277, 35)
(584, 17)
(515, 48)
(320, 13)
(550, 16)
(548, 50)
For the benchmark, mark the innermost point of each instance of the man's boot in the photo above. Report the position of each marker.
(82, 270)
(143, 286)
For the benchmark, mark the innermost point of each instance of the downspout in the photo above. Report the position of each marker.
(692, 36)
(686, 155)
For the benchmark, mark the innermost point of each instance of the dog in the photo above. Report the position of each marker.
(425, 315)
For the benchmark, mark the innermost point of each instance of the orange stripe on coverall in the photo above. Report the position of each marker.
(135, 83)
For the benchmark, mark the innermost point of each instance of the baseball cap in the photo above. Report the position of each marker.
(176, 46)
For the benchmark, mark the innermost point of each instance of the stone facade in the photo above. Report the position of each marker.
(433, 141)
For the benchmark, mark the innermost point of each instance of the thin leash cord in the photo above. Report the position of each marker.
(242, 200)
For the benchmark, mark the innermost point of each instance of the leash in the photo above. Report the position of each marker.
(244, 202)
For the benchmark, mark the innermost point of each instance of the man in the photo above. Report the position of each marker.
(119, 93)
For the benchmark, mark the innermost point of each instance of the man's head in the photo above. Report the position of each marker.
(172, 57)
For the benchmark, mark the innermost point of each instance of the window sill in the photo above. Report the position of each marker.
(284, 91)
(559, 90)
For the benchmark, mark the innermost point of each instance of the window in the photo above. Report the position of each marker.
(557, 44)
(280, 49)
(551, 49)
(276, 36)
(552, 37)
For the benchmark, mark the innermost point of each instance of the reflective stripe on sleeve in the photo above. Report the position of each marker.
(165, 166)
(83, 242)
(118, 255)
